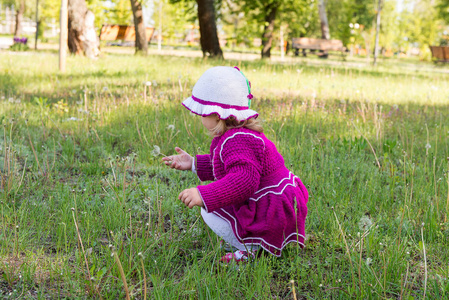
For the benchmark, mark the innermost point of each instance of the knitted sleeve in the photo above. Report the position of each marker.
(241, 156)
(204, 167)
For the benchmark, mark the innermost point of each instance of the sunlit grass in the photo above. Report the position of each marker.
(77, 150)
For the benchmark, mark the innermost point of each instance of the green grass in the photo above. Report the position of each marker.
(77, 151)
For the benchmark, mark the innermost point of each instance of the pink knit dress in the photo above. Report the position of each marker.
(252, 190)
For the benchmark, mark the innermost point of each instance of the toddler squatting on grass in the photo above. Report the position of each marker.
(254, 201)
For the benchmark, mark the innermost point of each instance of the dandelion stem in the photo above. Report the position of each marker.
(122, 274)
(144, 280)
(293, 289)
(425, 261)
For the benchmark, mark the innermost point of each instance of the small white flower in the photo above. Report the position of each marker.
(105, 89)
(73, 91)
(148, 83)
(428, 146)
(154, 82)
(320, 285)
(11, 100)
(171, 127)
(395, 106)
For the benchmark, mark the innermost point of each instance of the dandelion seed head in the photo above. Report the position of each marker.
(428, 146)
(369, 260)
(171, 127)
(156, 150)
(365, 223)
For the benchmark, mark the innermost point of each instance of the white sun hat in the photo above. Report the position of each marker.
(224, 91)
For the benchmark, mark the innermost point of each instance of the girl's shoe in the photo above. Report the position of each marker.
(238, 256)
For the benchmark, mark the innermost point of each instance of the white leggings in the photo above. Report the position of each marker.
(223, 229)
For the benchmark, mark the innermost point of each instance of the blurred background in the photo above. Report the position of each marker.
(400, 28)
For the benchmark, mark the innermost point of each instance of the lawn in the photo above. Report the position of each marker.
(88, 211)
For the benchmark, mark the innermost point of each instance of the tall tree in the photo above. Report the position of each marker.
(206, 14)
(208, 29)
(271, 9)
(20, 10)
(325, 34)
(264, 14)
(82, 37)
(376, 43)
(139, 25)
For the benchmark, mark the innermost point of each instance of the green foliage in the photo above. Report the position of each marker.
(120, 13)
(77, 155)
(177, 17)
(443, 10)
(19, 47)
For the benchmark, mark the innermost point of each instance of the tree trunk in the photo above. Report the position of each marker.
(19, 18)
(82, 38)
(208, 29)
(323, 18)
(141, 35)
(267, 36)
(324, 24)
(376, 45)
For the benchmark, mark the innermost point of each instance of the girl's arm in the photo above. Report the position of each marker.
(203, 167)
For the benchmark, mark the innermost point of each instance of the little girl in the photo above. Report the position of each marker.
(253, 200)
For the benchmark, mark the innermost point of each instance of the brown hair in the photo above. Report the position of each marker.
(231, 122)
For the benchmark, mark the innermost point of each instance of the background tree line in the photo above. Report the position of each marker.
(417, 24)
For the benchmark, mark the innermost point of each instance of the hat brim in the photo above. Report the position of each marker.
(223, 113)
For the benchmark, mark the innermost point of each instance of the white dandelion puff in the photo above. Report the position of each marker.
(365, 223)
(156, 151)
(369, 261)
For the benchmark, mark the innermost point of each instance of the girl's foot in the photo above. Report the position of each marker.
(238, 256)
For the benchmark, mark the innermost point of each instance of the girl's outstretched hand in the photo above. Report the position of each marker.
(182, 161)
(191, 197)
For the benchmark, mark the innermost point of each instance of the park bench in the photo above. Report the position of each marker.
(317, 45)
(440, 53)
(123, 33)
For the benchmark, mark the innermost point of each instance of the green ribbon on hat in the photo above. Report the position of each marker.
(248, 84)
